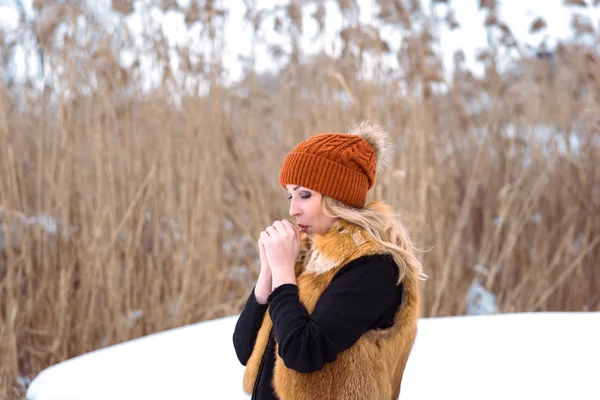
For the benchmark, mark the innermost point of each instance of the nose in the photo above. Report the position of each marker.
(294, 209)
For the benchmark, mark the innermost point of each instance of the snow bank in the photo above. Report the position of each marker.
(517, 356)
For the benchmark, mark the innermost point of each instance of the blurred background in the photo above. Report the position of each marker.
(140, 145)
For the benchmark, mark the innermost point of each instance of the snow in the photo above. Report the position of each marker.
(16, 224)
(517, 356)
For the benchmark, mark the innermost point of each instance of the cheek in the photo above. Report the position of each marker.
(318, 215)
(310, 212)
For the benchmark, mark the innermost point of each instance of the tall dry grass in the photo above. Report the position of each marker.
(126, 211)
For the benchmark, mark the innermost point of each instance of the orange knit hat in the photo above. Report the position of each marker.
(339, 165)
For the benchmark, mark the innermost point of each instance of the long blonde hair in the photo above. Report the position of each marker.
(385, 228)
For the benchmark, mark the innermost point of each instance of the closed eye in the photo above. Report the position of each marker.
(303, 195)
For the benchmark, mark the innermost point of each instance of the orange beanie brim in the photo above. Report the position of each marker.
(325, 176)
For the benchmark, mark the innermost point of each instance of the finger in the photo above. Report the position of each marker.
(264, 237)
(296, 231)
(284, 227)
(279, 226)
(262, 252)
(289, 227)
(271, 231)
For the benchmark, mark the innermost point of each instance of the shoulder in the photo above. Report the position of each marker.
(376, 266)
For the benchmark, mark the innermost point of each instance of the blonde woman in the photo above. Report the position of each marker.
(333, 314)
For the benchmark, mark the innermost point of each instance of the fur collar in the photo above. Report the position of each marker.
(344, 241)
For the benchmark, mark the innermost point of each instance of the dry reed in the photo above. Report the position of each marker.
(126, 211)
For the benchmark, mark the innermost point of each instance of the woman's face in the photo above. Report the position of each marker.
(307, 207)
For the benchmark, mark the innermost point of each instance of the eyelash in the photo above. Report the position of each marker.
(302, 196)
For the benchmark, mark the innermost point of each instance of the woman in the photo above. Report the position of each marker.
(333, 314)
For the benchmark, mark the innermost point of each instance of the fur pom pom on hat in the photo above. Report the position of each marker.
(339, 165)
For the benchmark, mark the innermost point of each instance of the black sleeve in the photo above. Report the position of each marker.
(246, 328)
(347, 309)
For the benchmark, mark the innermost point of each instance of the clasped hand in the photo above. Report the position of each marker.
(281, 244)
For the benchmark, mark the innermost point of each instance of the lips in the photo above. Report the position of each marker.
(302, 227)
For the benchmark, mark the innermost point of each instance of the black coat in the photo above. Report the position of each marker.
(362, 296)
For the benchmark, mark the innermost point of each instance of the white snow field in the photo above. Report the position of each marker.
(501, 356)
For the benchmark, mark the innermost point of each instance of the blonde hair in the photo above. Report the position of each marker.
(385, 228)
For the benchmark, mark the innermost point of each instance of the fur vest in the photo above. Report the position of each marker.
(373, 367)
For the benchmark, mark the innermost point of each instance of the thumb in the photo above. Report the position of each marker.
(297, 231)
(263, 253)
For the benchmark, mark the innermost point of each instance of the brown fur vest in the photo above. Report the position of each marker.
(373, 367)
